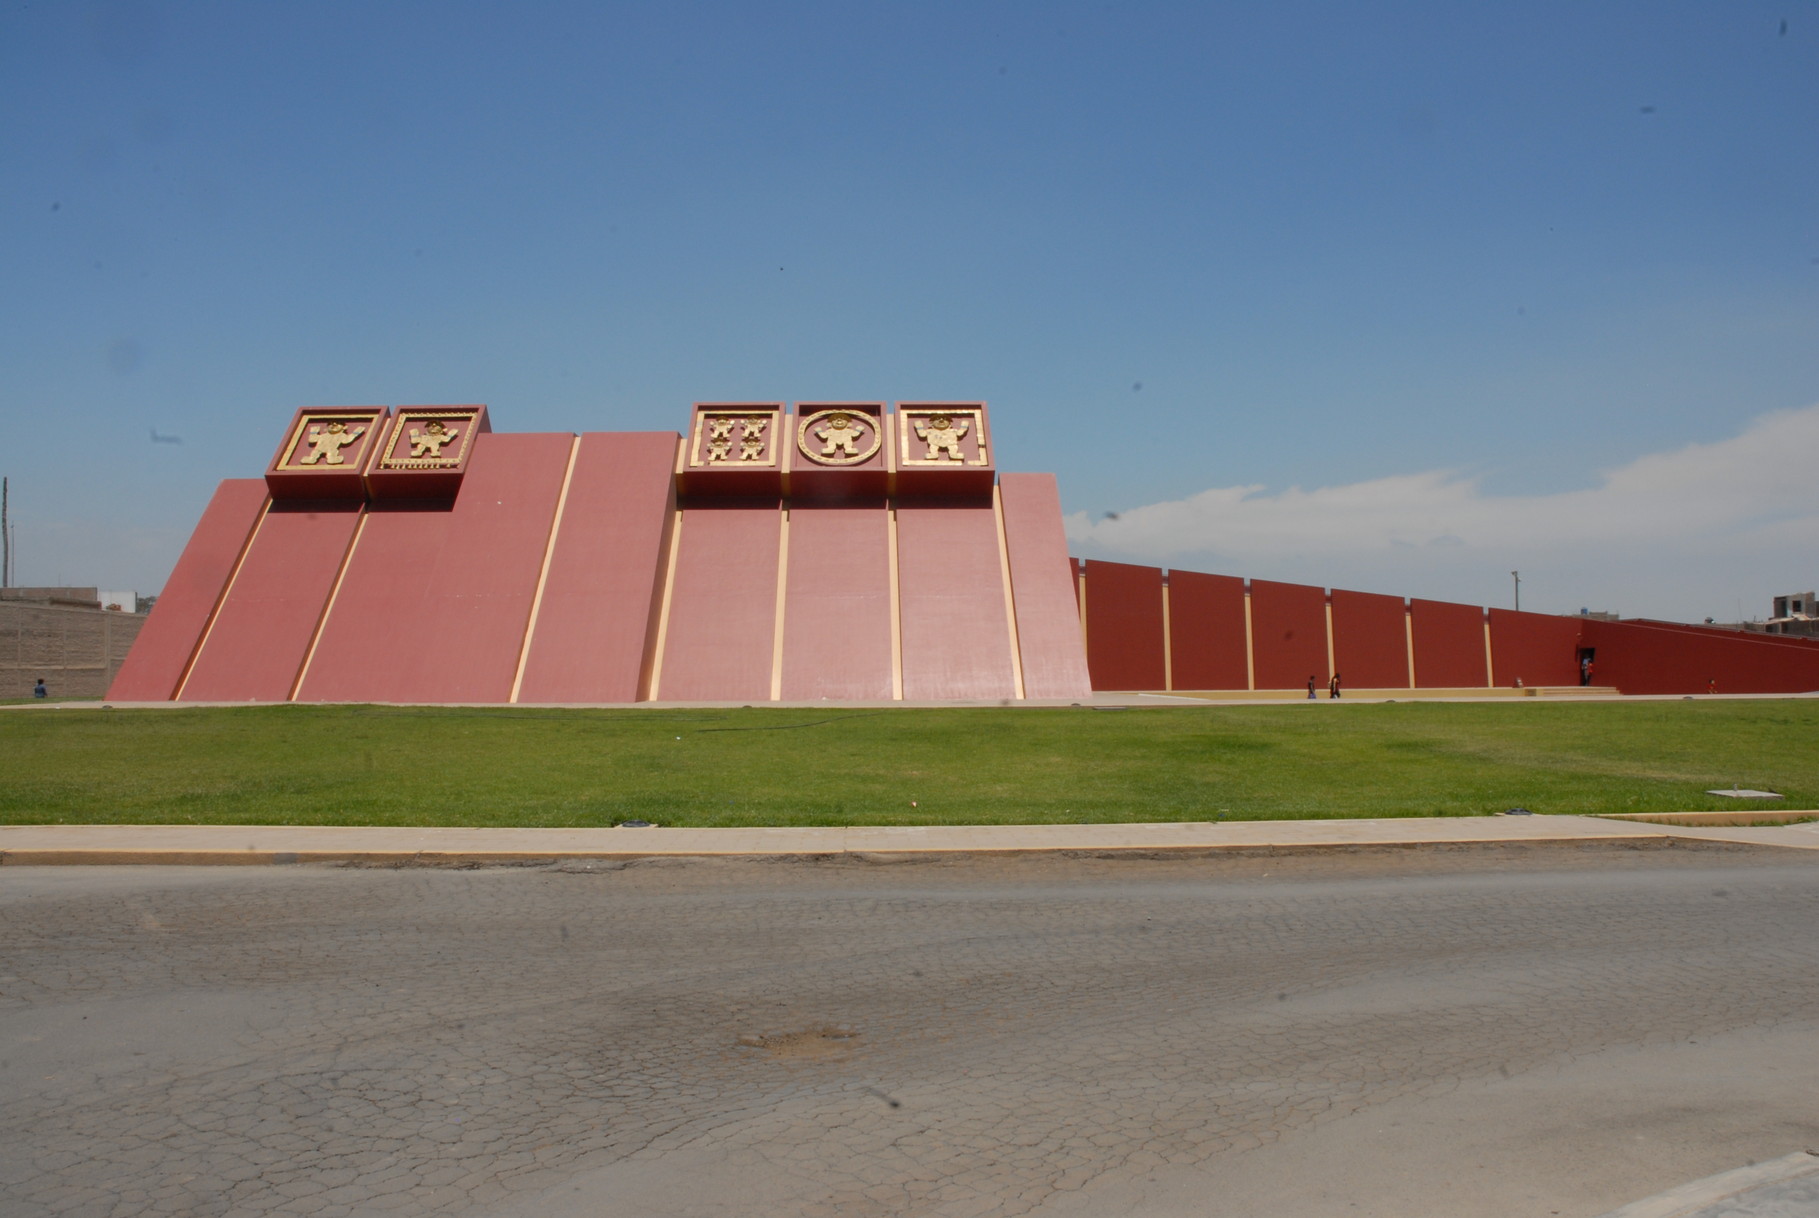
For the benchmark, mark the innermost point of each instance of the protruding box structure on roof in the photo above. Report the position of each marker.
(425, 452)
(842, 451)
(943, 448)
(734, 449)
(325, 453)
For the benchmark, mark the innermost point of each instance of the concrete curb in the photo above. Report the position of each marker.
(1731, 1187)
(104, 856)
(533, 858)
(398, 846)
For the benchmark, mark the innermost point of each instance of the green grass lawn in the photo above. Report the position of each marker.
(365, 765)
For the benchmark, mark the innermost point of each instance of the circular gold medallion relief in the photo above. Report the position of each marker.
(838, 437)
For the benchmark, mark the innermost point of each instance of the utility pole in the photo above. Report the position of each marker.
(6, 541)
(1517, 576)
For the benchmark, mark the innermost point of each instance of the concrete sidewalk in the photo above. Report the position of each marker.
(44, 845)
(1787, 1187)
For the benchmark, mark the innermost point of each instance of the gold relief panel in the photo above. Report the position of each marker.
(429, 439)
(839, 436)
(735, 437)
(331, 440)
(938, 435)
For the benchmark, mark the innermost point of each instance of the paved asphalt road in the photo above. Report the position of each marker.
(1452, 1032)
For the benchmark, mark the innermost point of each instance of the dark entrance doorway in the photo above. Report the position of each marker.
(1586, 665)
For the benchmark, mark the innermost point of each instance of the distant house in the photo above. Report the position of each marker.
(1795, 613)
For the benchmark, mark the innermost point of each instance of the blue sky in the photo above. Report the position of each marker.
(1478, 260)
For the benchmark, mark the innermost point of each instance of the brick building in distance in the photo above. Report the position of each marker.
(66, 637)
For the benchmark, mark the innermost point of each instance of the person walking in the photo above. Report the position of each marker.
(1310, 689)
(1332, 687)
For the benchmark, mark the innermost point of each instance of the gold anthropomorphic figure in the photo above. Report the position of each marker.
(326, 440)
(719, 438)
(751, 439)
(840, 435)
(942, 436)
(429, 441)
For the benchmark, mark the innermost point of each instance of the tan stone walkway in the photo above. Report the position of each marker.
(268, 844)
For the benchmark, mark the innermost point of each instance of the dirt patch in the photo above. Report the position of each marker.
(821, 1043)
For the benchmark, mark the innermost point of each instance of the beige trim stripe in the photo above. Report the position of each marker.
(1490, 666)
(549, 552)
(334, 593)
(1332, 664)
(1082, 607)
(1408, 631)
(1010, 599)
(669, 589)
(647, 653)
(1168, 641)
(890, 542)
(782, 592)
(246, 548)
(1250, 646)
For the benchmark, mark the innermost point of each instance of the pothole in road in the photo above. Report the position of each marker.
(821, 1041)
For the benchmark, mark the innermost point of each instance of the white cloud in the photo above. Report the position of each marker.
(1705, 529)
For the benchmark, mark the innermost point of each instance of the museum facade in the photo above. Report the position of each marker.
(776, 552)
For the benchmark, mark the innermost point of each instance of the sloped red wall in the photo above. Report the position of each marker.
(1663, 658)
(169, 637)
(1206, 630)
(1370, 640)
(1043, 588)
(263, 629)
(956, 628)
(721, 635)
(837, 611)
(1288, 631)
(600, 598)
(434, 602)
(1124, 625)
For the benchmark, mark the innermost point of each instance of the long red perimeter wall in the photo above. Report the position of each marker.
(1150, 629)
(572, 569)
